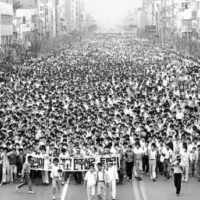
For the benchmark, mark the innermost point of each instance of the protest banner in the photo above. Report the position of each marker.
(44, 163)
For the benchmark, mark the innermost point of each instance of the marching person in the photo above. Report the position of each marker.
(101, 182)
(6, 167)
(129, 155)
(13, 159)
(152, 161)
(198, 163)
(138, 153)
(26, 176)
(45, 174)
(185, 158)
(112, 179)
(90, 182)
(56, 175)
(178, 170)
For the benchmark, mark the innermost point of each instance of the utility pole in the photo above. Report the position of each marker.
(0, 22)
(45, 17)
(162, 22)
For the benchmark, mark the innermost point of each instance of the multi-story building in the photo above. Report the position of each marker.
(6, 22)
(25, 24)
(80, 15)
(38, 16)
(74, 15)
(174, 18)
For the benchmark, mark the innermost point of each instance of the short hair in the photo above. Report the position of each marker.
(55, 160)
(30, 158)
(91, 165)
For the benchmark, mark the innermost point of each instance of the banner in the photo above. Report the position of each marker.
(44, 163)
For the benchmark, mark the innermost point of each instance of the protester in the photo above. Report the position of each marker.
(56, 175)
(101, 182)
(177, 174)
(152, 162)
(112, 179)
(90, 182)
(26, 176)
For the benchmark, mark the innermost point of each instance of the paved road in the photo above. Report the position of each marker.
(144, 190)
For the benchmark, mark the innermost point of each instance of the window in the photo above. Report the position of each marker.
(194, 14)
(187, 23)
(24, 20)
(6, 19)
(41, 8)
(185, 5)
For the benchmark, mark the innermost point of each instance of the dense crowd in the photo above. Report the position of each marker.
(104, 95)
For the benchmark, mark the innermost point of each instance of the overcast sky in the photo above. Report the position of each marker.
(109, 12)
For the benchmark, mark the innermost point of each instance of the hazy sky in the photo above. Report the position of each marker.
(109, 12)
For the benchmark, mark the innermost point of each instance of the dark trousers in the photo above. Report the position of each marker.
(159, 166)
(129, 169)
(145, 164)
(167, 169)
(27, 181)
(1, 172)
(121, 176)
(78, 177)
(177, 182)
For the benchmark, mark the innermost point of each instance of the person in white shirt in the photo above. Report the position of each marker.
(90, 181)
(176, 164)
(138, 154)
(56, 175)
(45, 174)
(168, 155)
(101, 182)
(112, 179)
(185, 158)
(152, 162)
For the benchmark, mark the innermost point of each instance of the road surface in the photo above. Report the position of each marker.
(143, 190)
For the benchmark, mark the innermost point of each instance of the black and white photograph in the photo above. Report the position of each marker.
(99, 99)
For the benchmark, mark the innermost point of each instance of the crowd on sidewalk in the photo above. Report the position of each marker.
(104, 95)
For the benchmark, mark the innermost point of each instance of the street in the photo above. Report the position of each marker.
(142, 190)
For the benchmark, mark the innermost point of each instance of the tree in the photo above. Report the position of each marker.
(16, 5)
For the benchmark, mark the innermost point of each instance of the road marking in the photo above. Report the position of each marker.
(64, 192)
(143, 191)
(136, 190)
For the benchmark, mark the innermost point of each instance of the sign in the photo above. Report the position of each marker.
(44, 163)
(150, 29)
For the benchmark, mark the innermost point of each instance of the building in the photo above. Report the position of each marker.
(80, 15)
(172, 18)
(74, 15)
(25, 24)
(6, 22)
(27, 4)
(38, 18)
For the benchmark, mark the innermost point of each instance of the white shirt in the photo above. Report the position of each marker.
(185, 156)
(138, 153)
(54, 172)
(152, 155)
(91, 178)
(112, 173)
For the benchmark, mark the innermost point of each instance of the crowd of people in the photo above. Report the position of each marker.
(104, 95)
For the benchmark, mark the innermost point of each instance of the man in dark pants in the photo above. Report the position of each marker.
(129, 156)
(145, 159)
(178, 170)
(121, 169)
(26, 176)
(1, 164)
